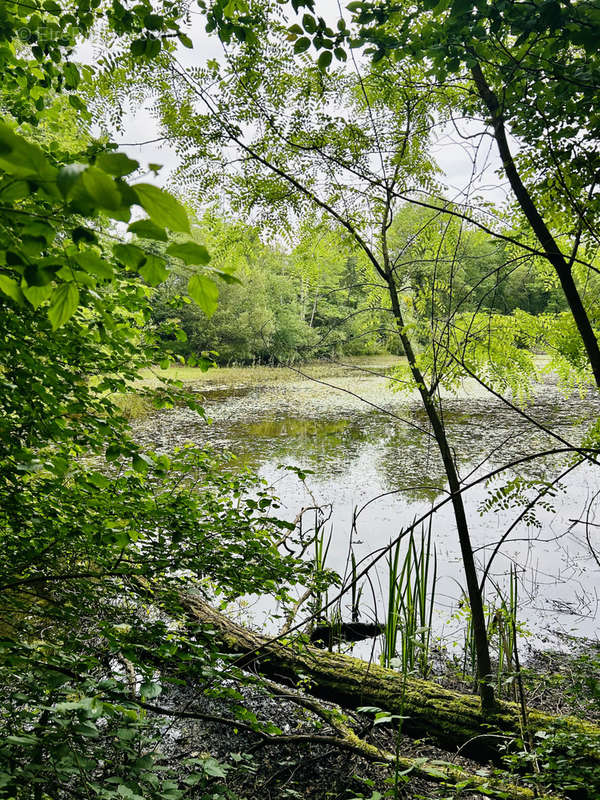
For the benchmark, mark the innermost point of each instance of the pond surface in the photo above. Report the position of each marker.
(370, 451)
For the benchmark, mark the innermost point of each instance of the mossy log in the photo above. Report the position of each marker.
(450, 719)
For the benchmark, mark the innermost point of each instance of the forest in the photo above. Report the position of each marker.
(300, 429)
(314, 300)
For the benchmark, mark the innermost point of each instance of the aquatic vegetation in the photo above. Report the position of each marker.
(411, 600)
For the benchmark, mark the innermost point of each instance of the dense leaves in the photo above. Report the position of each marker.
(97, 536)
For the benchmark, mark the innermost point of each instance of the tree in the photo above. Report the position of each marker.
(97, 536)
(524, 70)
(347, 166)
(282, 302)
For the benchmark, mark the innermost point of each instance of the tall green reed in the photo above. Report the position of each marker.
(355, 589)
(502, 628)
(321, 545)
(410, 603)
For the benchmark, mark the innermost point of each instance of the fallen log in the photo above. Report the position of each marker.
(450, 719)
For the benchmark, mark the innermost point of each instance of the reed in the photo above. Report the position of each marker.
(356, 591)
(321, 544)
(503, 628)
(411, 600)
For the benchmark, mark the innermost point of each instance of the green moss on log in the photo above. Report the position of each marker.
(451, 719)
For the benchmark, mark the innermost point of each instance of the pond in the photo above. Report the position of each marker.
(370, 453)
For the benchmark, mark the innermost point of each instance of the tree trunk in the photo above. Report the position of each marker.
(484, 668)
(451, 719)
(538, 226)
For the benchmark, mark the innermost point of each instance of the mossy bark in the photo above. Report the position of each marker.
(451, 719)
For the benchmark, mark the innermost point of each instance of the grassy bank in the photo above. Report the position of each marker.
(136, 405)
(259, 374)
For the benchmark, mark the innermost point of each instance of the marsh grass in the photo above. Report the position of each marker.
(260, 374)
(135, 406)
(320, 596)
(355, 589)
(411, 600)
(504, 629)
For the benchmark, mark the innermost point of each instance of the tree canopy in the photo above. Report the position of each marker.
(335, 235)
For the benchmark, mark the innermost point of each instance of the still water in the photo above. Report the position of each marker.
(370, 451)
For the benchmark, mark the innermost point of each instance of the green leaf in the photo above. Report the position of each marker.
(213, 768)
(226, 277)
(153, 22)
(65, 300)
(68, 176)
(189, 252)
(382, 717)
(140, 464)
(150, 690)
(72, 76)
(146, 229)
(126, 734)
(11, 288)
(154, 271)
(81, 234)
(22, 159)
(37, 294)
(117, 164)
(130, 255)
(204, 293)
(460, 7)
(185, 41)
(15, 190)
(101, 188)
(77, 103)
(302, 45)
(40, 275)
(309, 23)
(39, 228)
(152, 47)
(87, 729)
(162, 207)
(28, 740)
(91, 262)
(324, 59)
(138, 47)
(32, 245)
(98, 480)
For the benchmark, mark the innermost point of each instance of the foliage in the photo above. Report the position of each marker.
(452, 268)
(489, 60)
(99, 537)
(411, 600)
(307, 302)
(542, 50)
(557, 762)
(369, 152)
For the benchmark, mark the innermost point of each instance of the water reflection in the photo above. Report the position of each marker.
(357, 453)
